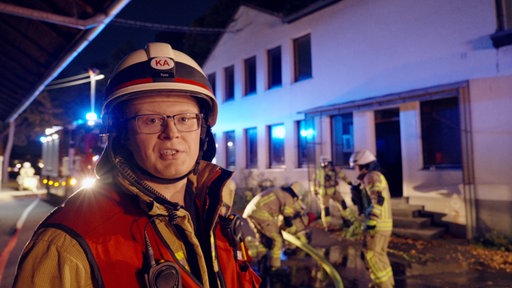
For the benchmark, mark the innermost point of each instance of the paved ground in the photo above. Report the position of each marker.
(446, 262)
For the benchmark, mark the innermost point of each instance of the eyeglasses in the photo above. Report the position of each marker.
(155, 123)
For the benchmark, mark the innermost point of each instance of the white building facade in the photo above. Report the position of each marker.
(425, 85)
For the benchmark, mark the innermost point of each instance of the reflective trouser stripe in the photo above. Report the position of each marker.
(377, 260)
(385, 225)
(375, 264)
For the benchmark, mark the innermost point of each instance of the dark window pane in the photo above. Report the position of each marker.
(342, 138)
(229, 84)
(250, 75)
(274, 67)
(277, 133)
(302, 60)
(306, 142)
(211, 79)
(251, 149)
(230, 150)
(440, 129)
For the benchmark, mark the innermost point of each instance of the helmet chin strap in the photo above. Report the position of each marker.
(153, 178)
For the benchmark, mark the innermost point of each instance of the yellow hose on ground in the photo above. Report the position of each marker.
(336, 278)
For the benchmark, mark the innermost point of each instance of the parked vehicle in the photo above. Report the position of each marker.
(69, 157)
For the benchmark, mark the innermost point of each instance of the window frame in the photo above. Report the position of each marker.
(212, 77)
(435, 133)
(229, 83)
(251, 148)
(302, 58)
(342, 140)
(503, 35)
(274, 68)
(276, 147)
(305, 142)
(250, 81)
(230, 150)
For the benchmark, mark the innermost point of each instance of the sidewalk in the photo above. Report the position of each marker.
(10, 189)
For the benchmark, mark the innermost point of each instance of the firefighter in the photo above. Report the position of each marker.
(378, 218)
(326, 188)
(159, 213)
(26, 179)
(264, 212)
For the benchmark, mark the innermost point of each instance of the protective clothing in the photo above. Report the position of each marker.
(263, 214)
(98, 237)
(326, 188)
(379, 220)
(94, 251)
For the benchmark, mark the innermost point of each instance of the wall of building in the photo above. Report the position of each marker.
(491, 106)
(363, 49)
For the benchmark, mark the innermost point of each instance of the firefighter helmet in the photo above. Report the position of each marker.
(325, 160)
(297, 188)
(159, 68)
(361, 157)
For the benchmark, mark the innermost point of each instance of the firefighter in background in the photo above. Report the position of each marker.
(326, 188)
(264, 214)
(27, 178)
(379, 221)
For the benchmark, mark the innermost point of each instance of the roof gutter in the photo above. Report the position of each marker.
(113, 10)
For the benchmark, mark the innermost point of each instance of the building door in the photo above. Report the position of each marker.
(389, 151)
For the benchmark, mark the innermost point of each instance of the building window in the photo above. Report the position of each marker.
(251, 148)
(211, 79)
(302, 57)
(229, 83)
(306, 142)
(342, 138)
(503, 35)
(214, 160)
(250, 75)
(230, 149)
(440, 133)
(274, 67)
(277, 133)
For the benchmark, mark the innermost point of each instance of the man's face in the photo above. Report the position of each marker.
(171, 153)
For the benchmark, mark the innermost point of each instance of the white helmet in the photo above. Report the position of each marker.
(361, 157)
(325, 160)
(158, 68)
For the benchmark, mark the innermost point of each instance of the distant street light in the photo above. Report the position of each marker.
(91, 76)
(72, 81)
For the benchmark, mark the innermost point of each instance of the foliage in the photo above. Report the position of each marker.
(496, 240)
(466, 254)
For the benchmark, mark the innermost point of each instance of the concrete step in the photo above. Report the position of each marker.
(426, 233)
(402, 208)
(411, 222)
(407, 211)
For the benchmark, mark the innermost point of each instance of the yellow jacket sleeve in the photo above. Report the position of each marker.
(53, 259)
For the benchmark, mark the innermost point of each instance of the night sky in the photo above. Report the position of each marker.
(166, 12)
